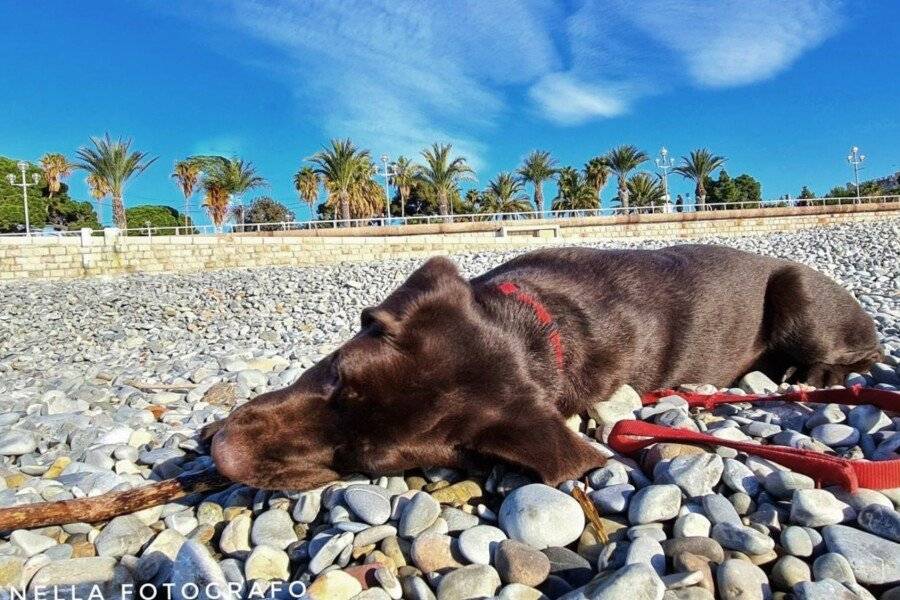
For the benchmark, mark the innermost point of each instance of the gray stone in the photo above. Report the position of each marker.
(816, 508)
(757, 383)
(783, 484)
(835, 434)
(621, 405)
(235, 537)
(370, 503)
(832, 565)
(267, 563)
(273, 528)
(695, 474)
(420, 513)
(613, 499)
(741, 538)
(796, 541)
(788, 571)
(123, 535)
(82, 577)
(326, 554)
(654, 503)
(648, 551)
(373, 535)
(520, 563)
(636, 581)
(741, 580)
(826, 589)
(472, 581)
(874, 560)
(195, 569)
(613, 473)
(31, 543)
(479, 543)
(868, 419)
(541, 516)
(719, 510)
(15, 443)
(883, 522)
(739, 477)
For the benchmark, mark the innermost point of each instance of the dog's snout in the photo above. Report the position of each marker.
(231, 460)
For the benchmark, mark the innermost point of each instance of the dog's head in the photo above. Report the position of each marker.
(419, 357)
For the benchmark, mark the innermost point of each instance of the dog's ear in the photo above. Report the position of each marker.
(542, 443)
(434, 272)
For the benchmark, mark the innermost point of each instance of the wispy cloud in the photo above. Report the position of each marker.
(399, 75)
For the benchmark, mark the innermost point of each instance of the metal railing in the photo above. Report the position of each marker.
(506, 217)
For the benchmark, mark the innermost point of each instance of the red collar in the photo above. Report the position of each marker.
(543, 316)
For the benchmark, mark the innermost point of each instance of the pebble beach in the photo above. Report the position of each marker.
(105, 384)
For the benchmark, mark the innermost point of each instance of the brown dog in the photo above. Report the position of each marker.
(447, 371)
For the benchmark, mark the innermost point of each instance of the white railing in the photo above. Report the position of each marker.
(464, 218)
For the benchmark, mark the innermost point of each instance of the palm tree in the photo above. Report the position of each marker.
(187, 175)
(405, 173)
(596, 173)
(573, 191)
(442, 173)
(113, 163)
(226, 178)
(698, 167)
(505, 194)
(306, 182)
(473, 200)
(537, 168)
(56, 167)
(646, 190)
(98, 191)
(622, 160)
(341, 166)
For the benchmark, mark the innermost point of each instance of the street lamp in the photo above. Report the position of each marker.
(664, 163)
(856, 159)
(11, 178)
(387, 172)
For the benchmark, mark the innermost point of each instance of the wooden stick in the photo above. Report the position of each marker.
(112, 504)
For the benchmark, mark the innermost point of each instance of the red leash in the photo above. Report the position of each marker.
(543, 316)
(630, 436)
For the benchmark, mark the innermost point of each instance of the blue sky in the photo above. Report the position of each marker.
(781, 88)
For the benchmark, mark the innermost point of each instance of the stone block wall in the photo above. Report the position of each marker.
(110, 254)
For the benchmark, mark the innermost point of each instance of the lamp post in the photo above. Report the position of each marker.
(856, 159)
(24, 185)
(664, 162)
(387, 173)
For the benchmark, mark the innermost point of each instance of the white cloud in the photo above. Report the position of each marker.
(398, 75)
(564, 99)
(737, 42)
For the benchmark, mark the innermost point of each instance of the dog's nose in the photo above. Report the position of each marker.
(231, 460)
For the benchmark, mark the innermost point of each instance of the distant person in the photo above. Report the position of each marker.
(679, 203)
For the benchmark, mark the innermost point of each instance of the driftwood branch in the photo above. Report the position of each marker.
(107, 506)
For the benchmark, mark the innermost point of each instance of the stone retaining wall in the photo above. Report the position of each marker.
(112, 254)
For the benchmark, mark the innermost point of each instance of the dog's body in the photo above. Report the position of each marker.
(446, 371)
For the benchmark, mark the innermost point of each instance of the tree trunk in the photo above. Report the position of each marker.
(345, 208)
(119, 212)
(623, 193)
(443, 204)
(539, 198)
(404, 196)
(700, 195)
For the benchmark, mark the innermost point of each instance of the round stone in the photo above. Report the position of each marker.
(832, 565)
(542, 516)
(123, 535)
(418, 515)
(479, 543)
(835, 434)
(16, 442)
(273, 528)
(334, 585)
(235, 537)
(654, 503)
(817, 508)
(435, 553)
(691, 525)
(788, 571)
(796, 541)
(520, 563)
(324, 554)
(646, 550)
(194, 566)
(518, 591)
(612, 499)
(635, 581)
(883, 522)
(872, 558)
(739, 477)
(267, 563)
(569, 565)
(719, 510)
(741, 580)
(741, 538)
(370, 503)
(472, 581)
(695, 474)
